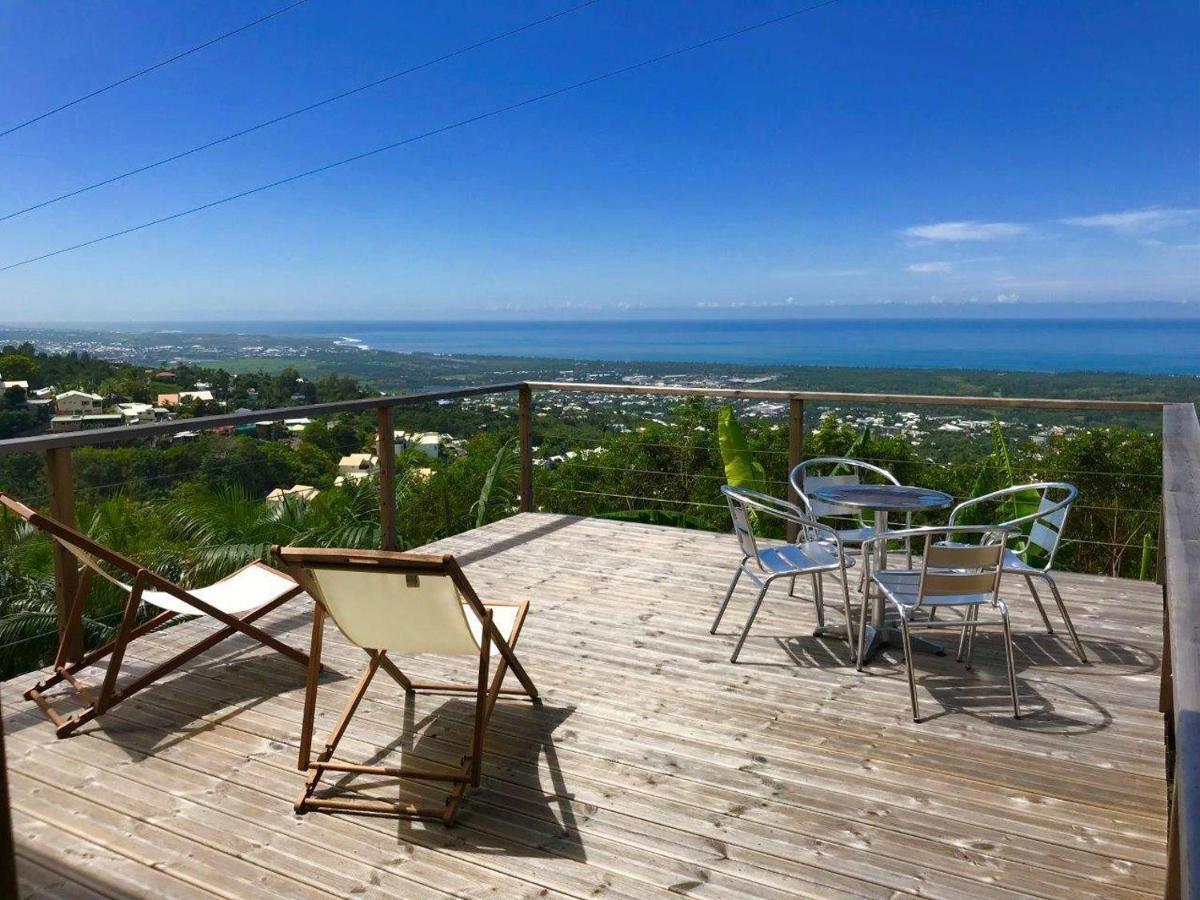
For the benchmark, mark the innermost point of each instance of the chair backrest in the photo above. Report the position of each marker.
(804, 482)
(744, 503)
(1051, 518)
(739, 511)
(950, 568)
(1046, 524)
(400, 602)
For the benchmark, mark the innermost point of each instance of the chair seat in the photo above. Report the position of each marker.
(1013, 563)
(900, 586)
(248, 588)
(855, 536)
(803, 557)
(504, 617)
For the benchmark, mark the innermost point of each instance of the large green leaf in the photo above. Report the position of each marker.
(741, 468)
(1147, 561)
(1022, 503)
(503, 461)
(856, 450)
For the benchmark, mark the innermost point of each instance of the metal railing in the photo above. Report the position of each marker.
(1179, 550)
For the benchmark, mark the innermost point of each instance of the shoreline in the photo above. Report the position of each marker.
(198, 345)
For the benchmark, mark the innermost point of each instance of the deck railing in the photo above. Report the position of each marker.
(1181, 643)
(1179, 545)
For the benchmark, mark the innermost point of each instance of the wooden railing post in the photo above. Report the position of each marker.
(386, 451)
(66, 572)
(525, 426)
(795, 452)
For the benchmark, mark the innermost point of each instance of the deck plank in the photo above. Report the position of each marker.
(654, 766)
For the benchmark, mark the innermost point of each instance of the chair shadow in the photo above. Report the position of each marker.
(230, 655)
(232, 686)
(523, 818)
(981, 691)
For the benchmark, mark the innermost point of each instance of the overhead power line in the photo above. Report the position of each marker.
(296, 112)
(528, 101)
(149, 69)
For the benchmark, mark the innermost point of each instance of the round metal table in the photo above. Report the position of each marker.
(884, 499)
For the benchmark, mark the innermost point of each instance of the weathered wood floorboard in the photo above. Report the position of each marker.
(654, 766)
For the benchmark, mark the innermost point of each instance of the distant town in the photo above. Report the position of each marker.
(63, 408)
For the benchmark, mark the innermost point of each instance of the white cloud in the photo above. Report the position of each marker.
(933, 266)
(1137, 221)
(965, 231)
(1007, 298)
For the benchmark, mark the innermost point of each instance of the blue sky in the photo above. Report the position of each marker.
(867, 152)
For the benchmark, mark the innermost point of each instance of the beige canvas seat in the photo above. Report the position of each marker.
(236, 600)
(402, 603)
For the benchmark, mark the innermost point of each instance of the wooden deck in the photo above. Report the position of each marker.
(654, 766)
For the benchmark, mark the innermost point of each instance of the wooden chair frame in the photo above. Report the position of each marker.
(486, 691)
(143, 579)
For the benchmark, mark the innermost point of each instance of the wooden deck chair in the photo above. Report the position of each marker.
(236, 600)
(386, 602)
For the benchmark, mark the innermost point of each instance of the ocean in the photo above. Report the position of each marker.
(1168, 346)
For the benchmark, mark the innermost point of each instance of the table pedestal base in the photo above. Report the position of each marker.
(878, 639)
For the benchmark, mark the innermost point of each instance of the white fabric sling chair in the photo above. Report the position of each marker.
(387, 602)
(236, 601)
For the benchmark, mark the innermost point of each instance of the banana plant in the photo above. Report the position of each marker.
(741, 468)
(502, 467)
(1147, 561)
(997, 473)
(856, 450)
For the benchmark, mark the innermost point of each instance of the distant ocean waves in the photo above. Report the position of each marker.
(1112, 345)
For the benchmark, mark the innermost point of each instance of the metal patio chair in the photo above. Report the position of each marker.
(803, 481)
(1034, 555)
(817, 550)
(235, 601)
(954, 574)
(386, 602)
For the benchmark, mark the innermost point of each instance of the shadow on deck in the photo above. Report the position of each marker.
(654, 766)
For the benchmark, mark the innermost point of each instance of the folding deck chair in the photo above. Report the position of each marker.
(386, 602)
(236, 600)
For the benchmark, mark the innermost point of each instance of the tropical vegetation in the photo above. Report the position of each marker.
(196, 510)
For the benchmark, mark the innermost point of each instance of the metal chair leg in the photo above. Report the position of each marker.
(851, 637)
(1062, 611)
(862, 625)
(792, 587)
(971, 634)
(1012, 669)
(1040, 607)
(962, 637)
(749, 622)
(725, 602)
(908, 664)
(818, 599)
